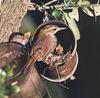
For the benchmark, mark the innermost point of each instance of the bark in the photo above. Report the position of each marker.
(11, 15)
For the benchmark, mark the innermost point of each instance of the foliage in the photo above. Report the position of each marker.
(6, 89)
(68, 11)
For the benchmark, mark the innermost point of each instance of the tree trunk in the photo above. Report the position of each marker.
(11, 14)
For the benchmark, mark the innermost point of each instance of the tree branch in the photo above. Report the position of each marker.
(59, 6)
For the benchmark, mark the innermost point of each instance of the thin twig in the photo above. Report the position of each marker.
(48, 3)
(59, 6)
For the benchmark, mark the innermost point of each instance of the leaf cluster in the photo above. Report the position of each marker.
(6, 89)
(68, 12)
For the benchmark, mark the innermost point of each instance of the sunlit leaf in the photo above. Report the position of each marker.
(74, 14)
(73, 26)
(88, 11)
(97, 10)
(3, 73)
(83, 2)
(14, 89)
(64, 19)
(2, 76)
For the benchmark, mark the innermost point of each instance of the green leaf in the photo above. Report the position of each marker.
(56, 13)
(88, 11)
(97, 10)
(73, 26)
(9, 70)
(3, 73)
(15, 89)
(2, 76)
(83, 2)
(74, 14)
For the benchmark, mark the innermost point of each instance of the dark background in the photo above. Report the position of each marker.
(87, 82)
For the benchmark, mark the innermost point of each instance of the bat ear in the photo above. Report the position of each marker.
(27, 35)
(14, 34)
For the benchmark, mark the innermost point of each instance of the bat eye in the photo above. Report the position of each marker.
(54, 28)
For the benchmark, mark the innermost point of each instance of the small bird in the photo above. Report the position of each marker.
(45, 44)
